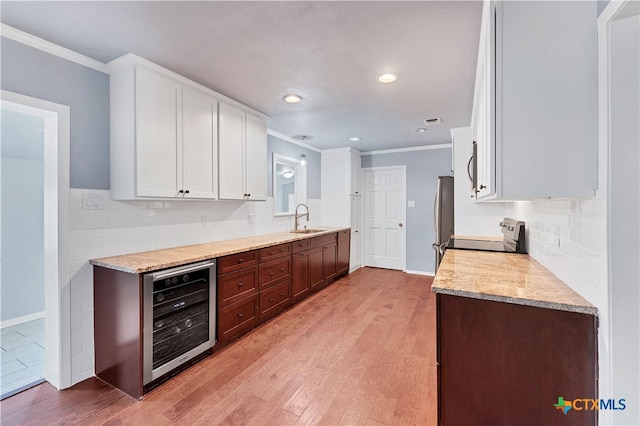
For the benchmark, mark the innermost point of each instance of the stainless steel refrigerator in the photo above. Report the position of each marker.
(443, 215)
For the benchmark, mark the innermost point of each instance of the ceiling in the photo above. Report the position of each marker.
(328, 52)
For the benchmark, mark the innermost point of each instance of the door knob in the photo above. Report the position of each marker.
(400, 225)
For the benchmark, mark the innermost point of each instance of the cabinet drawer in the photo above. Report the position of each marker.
(238, 317)
(323, 240)
(274, 252)
(275, 270)
(275, 299)
(237, 285)
(300, 245)
(237, 261)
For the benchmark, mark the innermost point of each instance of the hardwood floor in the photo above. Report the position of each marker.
(360, 352)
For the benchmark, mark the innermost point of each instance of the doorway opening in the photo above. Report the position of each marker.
(34, 263)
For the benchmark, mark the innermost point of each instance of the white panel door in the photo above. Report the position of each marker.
(231, 163)
(384, 217)
(199, 145)
(158, 134)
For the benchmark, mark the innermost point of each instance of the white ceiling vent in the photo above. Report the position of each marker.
(432, 121)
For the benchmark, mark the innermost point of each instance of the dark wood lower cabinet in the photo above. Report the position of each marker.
(300, 283)
(507, 364)
(316, 268)
(117, 319)
(344, 242)
(237, 318)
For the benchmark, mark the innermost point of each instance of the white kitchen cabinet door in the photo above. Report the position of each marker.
(231, 163)
(199, 145)
(355, 261)
(535, 103)
(158, 134)
(256, 158)
(356, 173)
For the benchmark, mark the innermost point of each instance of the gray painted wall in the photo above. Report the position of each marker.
(423, 169)
(22, 236)
(32, 72)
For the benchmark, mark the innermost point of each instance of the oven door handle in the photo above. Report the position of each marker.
(181, 270)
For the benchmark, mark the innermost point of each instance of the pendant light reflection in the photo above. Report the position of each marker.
(303, 159)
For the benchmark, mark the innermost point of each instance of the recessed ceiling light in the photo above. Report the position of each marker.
(355, 139)
(287, 174)
(419, 130)
(292, 99)
(387, 78)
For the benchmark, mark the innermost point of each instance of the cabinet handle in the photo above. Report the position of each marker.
(271, 300)
(282, 294)
(271, 274)
(186, 191)
(282, 250)
(181, 192)
(271, 253)
(482, 187)
(240, 284)
(240, 260)
(240, 315)
(281, 269)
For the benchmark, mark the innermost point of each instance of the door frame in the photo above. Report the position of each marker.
(613, 11)
(403, 202)
(57, 136)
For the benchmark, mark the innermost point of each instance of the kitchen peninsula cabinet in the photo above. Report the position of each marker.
(534, 111)
(511, 339)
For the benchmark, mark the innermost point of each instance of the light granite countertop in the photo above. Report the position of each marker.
(506, 277)
(138, 263)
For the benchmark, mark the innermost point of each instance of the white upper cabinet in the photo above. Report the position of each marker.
(158, 134)
(199, 145)
(243, 154)
(356, 172)
(535, 105)
(164, 135)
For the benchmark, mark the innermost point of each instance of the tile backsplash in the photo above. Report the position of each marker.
(105, 227)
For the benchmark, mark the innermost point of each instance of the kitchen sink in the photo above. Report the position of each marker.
(306, 231)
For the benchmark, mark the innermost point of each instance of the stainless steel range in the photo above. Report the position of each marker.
(179, 317)
(513, 239)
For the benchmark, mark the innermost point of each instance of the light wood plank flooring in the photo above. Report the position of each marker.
(360, 352)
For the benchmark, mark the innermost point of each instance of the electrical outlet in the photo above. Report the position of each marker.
(411, 204)
(91, 201)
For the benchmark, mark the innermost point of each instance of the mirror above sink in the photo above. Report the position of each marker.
(289, 185)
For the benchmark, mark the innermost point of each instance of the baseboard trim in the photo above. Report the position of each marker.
(19, 320)
(426, 273)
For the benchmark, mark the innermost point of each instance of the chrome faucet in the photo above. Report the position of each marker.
(298, 216)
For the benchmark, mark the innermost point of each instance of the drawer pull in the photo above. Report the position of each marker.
(271, 274)
(240, 284)
(300, 245)
(282, 250)
(240, 315)
(281, 269)
(271, 300)
(271, 253)
(240, 260)
(282, 294)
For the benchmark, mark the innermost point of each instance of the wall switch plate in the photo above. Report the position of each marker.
(411, 204)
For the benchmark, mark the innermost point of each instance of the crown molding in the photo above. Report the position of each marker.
(415, 148)
(291, 140)
(52, 48)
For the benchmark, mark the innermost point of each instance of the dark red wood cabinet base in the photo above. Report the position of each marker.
(507, 364)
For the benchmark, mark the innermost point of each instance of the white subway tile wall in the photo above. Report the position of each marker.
(569, 237)
(121, 227)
